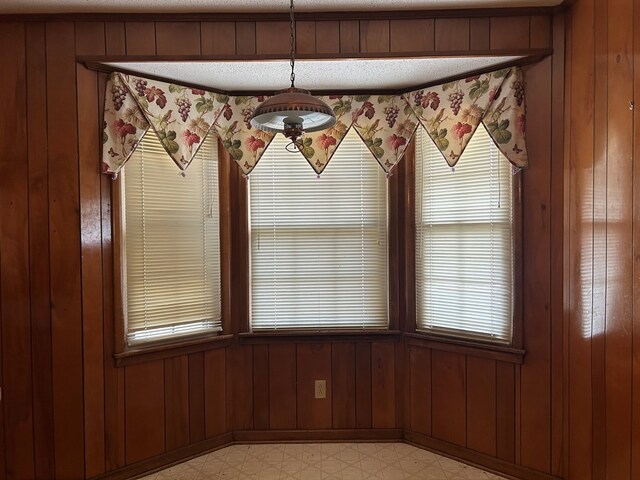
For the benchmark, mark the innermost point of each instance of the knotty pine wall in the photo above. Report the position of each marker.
(70, 413)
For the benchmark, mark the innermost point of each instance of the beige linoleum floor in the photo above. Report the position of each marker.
(315, 461)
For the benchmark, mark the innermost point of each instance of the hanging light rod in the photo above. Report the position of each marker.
(293, 111)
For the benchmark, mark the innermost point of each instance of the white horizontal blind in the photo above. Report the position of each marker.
(171, 239)
(464, 241)
(318, 246)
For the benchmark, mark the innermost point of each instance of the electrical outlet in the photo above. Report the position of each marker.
(321, 389)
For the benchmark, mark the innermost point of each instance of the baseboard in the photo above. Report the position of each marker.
(476, 459)
(283, 436)
(166, 460)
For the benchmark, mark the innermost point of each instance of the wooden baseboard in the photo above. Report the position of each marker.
(280, 436)
(476, 459)
(168, 459)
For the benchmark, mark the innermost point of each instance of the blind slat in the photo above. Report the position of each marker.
(464, 241)
(318, 246)
(172, 243)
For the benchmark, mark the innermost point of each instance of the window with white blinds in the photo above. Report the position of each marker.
(464, 241)
(171, 244)
(318, 245)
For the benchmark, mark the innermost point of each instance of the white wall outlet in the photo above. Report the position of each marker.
(321, 389)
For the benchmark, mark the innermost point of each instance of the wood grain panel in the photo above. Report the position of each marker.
(273, 38)
(412, 35)
(383, 385)
(282, 386)
(64, 235)
(540, 32)
(36, 84)
(245, 38)
(14, 261)
(536, 379)
(328, 37)
(505, 412)
(218, 38)
(509, 32)
(305, 37)
(141, 38)
(343, 385)
(196, 397)
(420, 389)
(374, 36)
(363, 385)
(349, 36)
(115, 38)
(90, 38)
(635, 427)
(215, 393)
(261, 374)
(481, 405)
(314, 363)
(89, 141)
(145, 410)
(480, 33)
(178, 38)
(452, 34)
(448, 405)
(176, 402)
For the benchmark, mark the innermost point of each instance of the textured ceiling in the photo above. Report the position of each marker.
(187, 6)
(361, 74)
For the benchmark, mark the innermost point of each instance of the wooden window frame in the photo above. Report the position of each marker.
(513, 351)
(125, 354)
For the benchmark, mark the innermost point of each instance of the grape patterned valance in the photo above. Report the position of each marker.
(182, 117)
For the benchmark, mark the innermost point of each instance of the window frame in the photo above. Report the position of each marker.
(124, 353)
(512, 351)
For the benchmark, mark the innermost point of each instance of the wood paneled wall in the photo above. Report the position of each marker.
(602, 302)
(70, 413)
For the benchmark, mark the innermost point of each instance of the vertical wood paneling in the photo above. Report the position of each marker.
(374, 36)
(178, 38)
(363, 385)
(245, 38)
(452, 34)
(505, 412)
(343, 377)
(282, 386)
(480, 33)
(218, 38)
(115, 38)
(481, 405)
(420, 389)
(635, 414)
(541, 33)
(65, 268)
(196, 397)
(349, 36)
(509, 32)
(261, 374)
(90, 38)
(36, 84)
(412, 35)
(14, 260)
(314, 363)
(141, 38)
(273, 37)
(145, 412)
(448, 381)
(383, 385)
(305, 37)
(215, 393)
(328, 37)
(176, 402)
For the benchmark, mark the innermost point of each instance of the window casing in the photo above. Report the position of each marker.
(169, 245)
(318, 246)
(465, 242)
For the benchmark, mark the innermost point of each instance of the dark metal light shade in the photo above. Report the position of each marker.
(293, 108)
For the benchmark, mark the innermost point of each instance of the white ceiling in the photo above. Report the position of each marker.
(361, 74)
(199, 6)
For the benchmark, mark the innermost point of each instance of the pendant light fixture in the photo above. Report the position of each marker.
(293, 111)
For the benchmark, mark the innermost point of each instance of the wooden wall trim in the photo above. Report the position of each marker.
(280, 436)
(495, 352)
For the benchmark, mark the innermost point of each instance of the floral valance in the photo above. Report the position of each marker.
(182, 117)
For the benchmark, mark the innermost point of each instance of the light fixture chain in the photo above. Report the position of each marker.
(293, 44)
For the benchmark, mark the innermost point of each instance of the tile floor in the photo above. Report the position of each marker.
(319, 461)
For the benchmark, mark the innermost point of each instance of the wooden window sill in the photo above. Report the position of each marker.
(156, 351)
(319, 336)
(494, 352)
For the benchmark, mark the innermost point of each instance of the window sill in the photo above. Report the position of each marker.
(156, 351)
(494, 352)
(319, 336)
